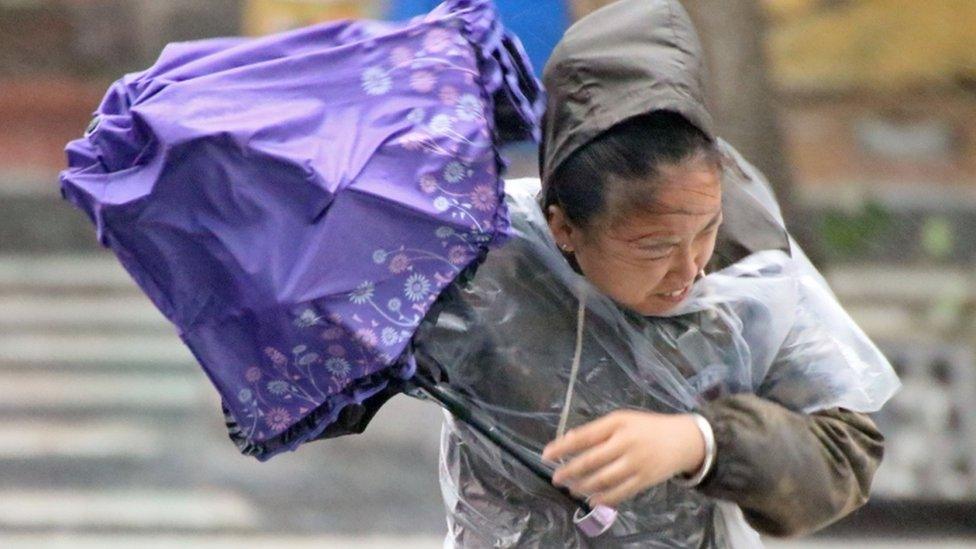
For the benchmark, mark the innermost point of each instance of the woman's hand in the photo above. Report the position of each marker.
(626, 452)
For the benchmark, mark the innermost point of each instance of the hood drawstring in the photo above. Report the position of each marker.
(577, 356)
(574, 371)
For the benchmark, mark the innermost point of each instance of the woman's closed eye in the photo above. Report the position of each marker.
(711, 229)
(707, 232)
(655, 253)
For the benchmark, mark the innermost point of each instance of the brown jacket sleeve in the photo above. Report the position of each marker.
(791, 473)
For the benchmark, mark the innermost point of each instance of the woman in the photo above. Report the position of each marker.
(643, 200)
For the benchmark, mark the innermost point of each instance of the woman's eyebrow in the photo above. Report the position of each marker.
(660, 244)
(662, 240)
(666, 239)
(715, 221)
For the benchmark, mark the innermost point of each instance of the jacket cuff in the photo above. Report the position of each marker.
(790, 472)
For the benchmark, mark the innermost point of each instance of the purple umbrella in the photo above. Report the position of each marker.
(294, 204)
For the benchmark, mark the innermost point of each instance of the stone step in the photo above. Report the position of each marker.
(883, 321)
(111, 313)
(167, 454)
(80, 271)
(39, 392)
(904, 285)
(127, 509)
(90, 350)
(36, 439)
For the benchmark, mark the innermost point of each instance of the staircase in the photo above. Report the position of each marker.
(111, 433)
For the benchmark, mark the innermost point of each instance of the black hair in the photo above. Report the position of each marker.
(629, 154)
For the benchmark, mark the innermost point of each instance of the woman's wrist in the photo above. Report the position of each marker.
(701, 455)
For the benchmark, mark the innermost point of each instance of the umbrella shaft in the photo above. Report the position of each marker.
(459, 409)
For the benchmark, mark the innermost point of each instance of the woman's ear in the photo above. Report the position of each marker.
(559, 225)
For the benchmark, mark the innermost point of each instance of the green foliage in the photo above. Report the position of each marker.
(938, 239)
(849, 236)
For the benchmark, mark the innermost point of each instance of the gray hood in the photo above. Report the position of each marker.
(626, 59)
(634, 57)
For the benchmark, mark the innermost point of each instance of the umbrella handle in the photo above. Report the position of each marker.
(592, 521)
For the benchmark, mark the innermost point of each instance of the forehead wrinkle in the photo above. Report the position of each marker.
(639, 206)
(656, 202)
(678, 211)
(665, 235)
(623, 202)
(663, 211)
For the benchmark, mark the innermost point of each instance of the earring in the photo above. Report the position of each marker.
(565, 248)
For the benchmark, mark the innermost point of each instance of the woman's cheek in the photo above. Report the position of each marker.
(621, 282)
(627, 282)
(709, 249)
(644, 282)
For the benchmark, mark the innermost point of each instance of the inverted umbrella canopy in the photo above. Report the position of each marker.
(294, 204)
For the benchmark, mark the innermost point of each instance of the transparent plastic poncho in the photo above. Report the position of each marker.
(506, 339)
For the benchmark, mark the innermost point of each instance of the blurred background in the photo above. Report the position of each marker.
(861, 112)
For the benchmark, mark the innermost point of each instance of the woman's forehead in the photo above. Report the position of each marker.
(664, 225)
(676, 207)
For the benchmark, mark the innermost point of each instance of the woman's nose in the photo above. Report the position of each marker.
(684, 268)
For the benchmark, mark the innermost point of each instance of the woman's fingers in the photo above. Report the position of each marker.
(623, 453)
(590, 460)
(607, 478)
(581, 438)
(622, 492)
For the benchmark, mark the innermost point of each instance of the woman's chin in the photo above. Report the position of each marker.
(652, 309)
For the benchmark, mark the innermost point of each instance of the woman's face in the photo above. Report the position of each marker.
(647, 261)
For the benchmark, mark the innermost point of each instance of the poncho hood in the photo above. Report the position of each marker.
(629, 58)
(634, 57)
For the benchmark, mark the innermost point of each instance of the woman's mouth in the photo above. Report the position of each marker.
(674, 297)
